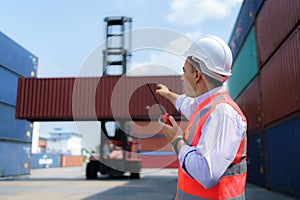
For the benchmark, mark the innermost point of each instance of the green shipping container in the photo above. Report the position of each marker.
(244, 67)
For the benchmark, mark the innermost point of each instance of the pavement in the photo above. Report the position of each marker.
(69, 183)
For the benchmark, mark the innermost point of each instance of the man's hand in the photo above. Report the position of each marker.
(166, 93)
(171, 132)
(163, 91)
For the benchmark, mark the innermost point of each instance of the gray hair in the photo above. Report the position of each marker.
(209, 79)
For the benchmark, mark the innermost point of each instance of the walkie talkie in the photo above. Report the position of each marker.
(164, 114)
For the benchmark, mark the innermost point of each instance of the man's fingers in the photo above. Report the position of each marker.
(159, 85)
(159, 88)
(172, 120)
(161, 123)
(165, 127)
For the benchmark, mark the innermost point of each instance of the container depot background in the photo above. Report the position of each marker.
(265, 44)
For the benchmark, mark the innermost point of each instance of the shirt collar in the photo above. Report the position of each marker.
(202, 97)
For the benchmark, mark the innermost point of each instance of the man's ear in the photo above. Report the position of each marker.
(198, 76)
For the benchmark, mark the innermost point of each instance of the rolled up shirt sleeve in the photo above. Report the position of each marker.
(221, 136)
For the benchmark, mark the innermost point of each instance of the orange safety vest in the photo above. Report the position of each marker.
(232, 183)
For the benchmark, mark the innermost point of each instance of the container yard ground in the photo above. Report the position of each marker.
(70, 183)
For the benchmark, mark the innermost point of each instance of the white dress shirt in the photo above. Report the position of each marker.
(221, 136)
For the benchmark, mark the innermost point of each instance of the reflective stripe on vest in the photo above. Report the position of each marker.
(232, 183)
(184, 196)
(199, 116)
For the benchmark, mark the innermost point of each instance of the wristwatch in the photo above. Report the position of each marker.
(175, 142)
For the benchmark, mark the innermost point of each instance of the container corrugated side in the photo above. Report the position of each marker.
(276, 19)
(159, 160)
(11, 128)
(156, 143)
(16, 58)
(280, 80)
(105, 98)
(245, 67)
(242, 26)
(15, 158)
(130, 97)
(251, 105)
(256, 159)
(282, 149)
(8, 86)
(45, 160)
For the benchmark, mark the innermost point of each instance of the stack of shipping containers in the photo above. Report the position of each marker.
(265, 83)
(15, 135)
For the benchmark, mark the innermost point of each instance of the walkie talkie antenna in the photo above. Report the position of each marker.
(165, 116)
(162, 111)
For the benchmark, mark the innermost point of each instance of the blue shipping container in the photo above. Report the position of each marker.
(258, 5)
(242, 26)
(11, 128)
(256, 159)
(45, 160)
(16, 58)
(8, 86)
(283, 150)
(14, 158)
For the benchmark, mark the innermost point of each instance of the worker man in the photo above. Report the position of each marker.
(212, 151)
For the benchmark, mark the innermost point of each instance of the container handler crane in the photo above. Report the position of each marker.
(119, 152)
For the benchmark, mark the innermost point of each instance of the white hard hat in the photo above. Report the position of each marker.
(215, 54)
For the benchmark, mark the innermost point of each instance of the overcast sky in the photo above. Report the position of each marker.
(64, 34)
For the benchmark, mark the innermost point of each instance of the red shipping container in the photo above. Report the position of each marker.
(71, 161)
(157, 143)
(250, 103)
(152, 139)
(276, 19)
(95, 98)
(280, 80)
(164, 160)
